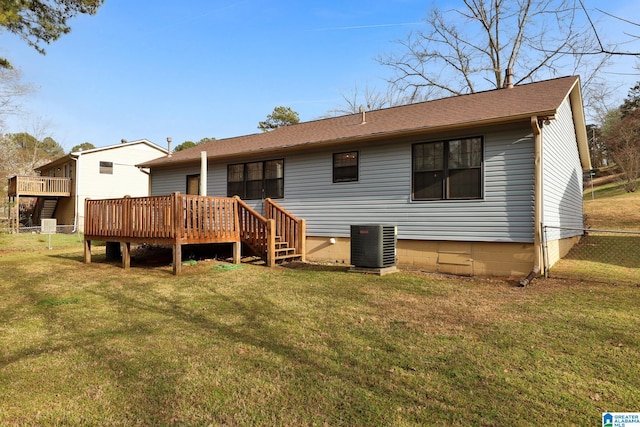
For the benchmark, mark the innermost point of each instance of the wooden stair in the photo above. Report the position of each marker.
(284, 252)
(45, 209)
(48, 208)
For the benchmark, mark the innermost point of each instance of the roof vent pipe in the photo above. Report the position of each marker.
(508, 78)
(168, 146)
(364, 118)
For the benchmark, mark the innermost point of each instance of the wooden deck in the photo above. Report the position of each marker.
(179, 219)
(35, 186)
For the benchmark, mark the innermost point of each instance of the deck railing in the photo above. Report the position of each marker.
(39, 186)
(177, 217)
(188, 219)
(290, 229)
(206, 218)
(255, 231)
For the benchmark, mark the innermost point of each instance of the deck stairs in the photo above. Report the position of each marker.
(48, 208)
(45, 209)
(285, 253)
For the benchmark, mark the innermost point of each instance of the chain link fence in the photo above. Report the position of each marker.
(60, 229)
(601, 256)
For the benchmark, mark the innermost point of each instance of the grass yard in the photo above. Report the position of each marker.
(606, 257)
(311, 345)
(612, 208)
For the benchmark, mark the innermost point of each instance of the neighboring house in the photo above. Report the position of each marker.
(98, 173)
(468, 180)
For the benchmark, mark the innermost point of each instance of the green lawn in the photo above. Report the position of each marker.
(606, 257)
(98, 345)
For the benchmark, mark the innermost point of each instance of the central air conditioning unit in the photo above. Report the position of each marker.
(373, 246)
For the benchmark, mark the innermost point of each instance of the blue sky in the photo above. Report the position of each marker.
(196, 68)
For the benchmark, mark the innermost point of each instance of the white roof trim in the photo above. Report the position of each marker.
(123, 144)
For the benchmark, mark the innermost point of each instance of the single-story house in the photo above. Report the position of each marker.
(468, 180)
(98, 173)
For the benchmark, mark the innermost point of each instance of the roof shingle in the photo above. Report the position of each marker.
(501, 105)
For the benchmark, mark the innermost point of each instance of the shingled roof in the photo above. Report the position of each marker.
(521, 102)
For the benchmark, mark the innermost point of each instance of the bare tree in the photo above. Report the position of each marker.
(468, 49)
(622, 134)
(600, 48)
(367, 98)
(12, 89)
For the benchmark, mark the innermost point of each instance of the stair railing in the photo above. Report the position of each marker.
(257, 232)
(290, 229)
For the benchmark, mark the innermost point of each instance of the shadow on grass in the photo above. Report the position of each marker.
(335, 268)
(263, 324)
(142, 256)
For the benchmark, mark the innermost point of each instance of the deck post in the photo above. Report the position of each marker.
(303, 240)
(177, 258)
(17, 214)
(271, 242)
(87, 251)
(178, 223)
(237, 252)
(126, 255)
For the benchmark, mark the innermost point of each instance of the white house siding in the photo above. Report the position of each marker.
(126, 179)
(562, 176)
(383, 192)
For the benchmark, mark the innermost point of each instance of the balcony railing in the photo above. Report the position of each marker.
(39, 186)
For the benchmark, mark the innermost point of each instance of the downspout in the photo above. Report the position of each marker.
(75, 184)
(537, 203)
(148, 173)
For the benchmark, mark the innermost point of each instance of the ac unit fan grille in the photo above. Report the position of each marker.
(373, 246)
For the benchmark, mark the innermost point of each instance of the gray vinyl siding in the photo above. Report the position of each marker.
(167, 181)
(562, 172)
(383, 192)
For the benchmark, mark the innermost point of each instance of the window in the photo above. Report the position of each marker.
(256, 180)
(193, 184)
(345, 167)
(106, 167)
(446, 170)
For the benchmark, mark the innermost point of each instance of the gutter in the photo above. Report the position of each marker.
(167, 162)
(537, 202)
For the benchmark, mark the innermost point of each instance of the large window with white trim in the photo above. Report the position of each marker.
(256, 180)
(447, 170)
